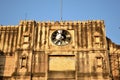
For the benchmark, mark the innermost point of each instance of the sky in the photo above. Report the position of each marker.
(12, 11)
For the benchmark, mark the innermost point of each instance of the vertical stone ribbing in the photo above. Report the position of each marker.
(39, 38)
(84, 35)
(42, 62)
(31, 32)
(93, 31)
(20, 30)
(14, 40)
(5, 41)
(47, 35)
(36, 37)
(89, 34)
(16, 30)
(75, 27)
(2, 34)
(4, 37)
(36, 63)
(43, 36)
(104, 34)
(19, 35)
(87, 62)
(79, 34)
(10, 41)
(24, 26)
(9, 34)
(0, 37)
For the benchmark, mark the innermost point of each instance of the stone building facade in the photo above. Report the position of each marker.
(61, 50)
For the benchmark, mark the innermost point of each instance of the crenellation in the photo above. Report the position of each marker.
(52, 22)
(61, 23)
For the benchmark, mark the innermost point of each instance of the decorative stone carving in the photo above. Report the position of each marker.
(82, 52)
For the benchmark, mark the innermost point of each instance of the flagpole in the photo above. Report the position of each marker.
(61, 6)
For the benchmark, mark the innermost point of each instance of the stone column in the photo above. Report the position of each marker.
(89, 34)
(79, 36)
(46, 65)
(38, 38)
(3, 40)
(47, 37)
(19, 36)
(43, 36)
(6, 42)
(15, 40)
(76, 65)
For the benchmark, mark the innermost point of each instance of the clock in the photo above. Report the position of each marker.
(61, 37)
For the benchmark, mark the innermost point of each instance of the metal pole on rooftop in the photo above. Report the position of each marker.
(61, 6)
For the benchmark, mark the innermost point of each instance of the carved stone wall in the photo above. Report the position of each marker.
(114, 58)
(27, 51)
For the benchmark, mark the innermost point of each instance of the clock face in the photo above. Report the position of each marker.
(61, 37)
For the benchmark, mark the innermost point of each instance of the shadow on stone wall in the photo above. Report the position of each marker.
(2, 64)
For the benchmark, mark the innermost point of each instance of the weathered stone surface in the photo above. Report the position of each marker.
(27, 51)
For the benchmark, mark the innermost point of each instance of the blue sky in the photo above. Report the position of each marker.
(12, 11)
